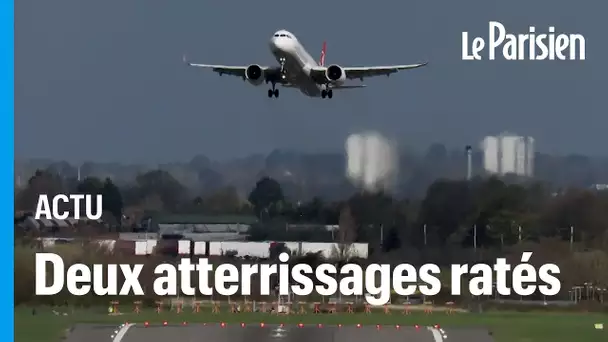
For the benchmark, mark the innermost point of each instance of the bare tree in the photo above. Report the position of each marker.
(347, 234)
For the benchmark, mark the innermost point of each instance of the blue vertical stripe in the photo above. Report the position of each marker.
(7, 189)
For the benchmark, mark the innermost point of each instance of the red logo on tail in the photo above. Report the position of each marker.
(323, 51)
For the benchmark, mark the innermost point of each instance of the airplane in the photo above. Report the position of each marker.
(297, 69)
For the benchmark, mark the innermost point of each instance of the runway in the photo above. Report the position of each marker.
(92, 333)
(215, 332)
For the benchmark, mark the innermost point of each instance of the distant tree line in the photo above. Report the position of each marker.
(496, 212)
(305, 175)
(456, 221)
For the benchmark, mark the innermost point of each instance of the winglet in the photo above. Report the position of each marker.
(185, 59)
(323, 52)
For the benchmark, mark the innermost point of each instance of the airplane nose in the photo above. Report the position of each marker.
(277, 44)
(281, 44)
(273, 43)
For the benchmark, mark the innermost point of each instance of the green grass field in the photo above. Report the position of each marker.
(506, 326)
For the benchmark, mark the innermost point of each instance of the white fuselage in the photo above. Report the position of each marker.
(298, 63)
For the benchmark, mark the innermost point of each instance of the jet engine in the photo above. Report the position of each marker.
(254, 74)
(335, 74)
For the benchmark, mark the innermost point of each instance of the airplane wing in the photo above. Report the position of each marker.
(232, 70)
(223, 69)
(363, 72)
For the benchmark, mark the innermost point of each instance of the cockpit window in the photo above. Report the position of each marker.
(285, 35)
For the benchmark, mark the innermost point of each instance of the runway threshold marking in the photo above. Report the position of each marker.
(437, 336)
(122, 332)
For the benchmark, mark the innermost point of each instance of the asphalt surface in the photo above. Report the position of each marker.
(214, 332)
(92, 333)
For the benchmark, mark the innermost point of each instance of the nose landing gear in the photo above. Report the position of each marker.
(275, 92)
(282, 62)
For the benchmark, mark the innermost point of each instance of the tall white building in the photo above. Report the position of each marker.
(508, 153)
(371, 161)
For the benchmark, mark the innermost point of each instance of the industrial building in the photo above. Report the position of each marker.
(508, 154)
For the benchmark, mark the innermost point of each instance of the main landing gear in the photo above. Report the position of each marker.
(273, 92)
(327, 93)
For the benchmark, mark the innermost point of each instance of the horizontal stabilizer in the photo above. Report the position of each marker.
(349, 86)
(332, 87)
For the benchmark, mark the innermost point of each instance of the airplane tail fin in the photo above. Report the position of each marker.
(323, 51)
